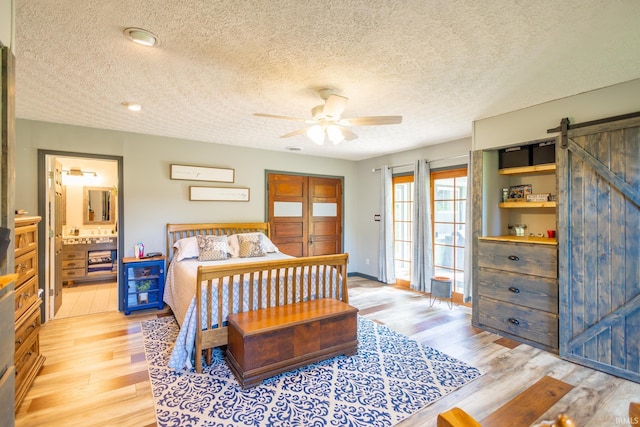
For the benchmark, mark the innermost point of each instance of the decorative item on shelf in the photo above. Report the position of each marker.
(138, 250)
(505, 194)
(142, 289)
(553, 198)
(518, 193)
(520, 229)
(542, 197)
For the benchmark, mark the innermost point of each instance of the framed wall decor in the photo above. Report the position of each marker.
(202, 173)
(227, 194)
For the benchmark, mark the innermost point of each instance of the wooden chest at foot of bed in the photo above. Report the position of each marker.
(267, 342)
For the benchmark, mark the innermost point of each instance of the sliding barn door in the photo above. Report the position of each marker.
(305, 213)
(599, 240)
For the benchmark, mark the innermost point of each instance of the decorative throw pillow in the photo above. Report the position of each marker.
(251, 245)
(212, 248)
(186, 248)
(234, 245)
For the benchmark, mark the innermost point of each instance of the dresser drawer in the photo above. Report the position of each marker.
(523, 258)
(26, 295)
(26, 239)
(531, 291)
(26, 267)
(74, 263)
(27, 329)
(25, 363)
(534, 325)
(73, 255)
(72, 273)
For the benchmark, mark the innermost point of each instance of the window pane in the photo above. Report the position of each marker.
(402, 230)
(461, 186)
(443, 256)
(443, 212)
(443, 233)
(444, 189)
(459, 282)
(460, 234)
(460, 258)
(403, 250)
(461, 211)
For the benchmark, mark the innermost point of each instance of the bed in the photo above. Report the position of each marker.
(202, 293)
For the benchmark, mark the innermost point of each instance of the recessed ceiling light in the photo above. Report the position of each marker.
(132, 106)
(141, 36)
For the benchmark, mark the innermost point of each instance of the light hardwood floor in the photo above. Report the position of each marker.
(88, 298)
(96, 372)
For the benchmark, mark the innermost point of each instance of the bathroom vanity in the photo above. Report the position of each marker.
(89, 258)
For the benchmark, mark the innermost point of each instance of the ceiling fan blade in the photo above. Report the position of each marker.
(295, 132)
(348, 135)
(271, 116)
(372, 121)
(334, 106)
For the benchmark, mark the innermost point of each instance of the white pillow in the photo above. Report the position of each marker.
(187, 248)
(234, 245)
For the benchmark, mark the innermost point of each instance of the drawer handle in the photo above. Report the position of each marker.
(514, 321)
(514, 290)
(19, 341)
(514, 258)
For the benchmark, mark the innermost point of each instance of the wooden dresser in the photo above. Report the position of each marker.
(517, 285)
(27, 357)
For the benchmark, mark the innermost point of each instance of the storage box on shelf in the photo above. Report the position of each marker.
(516, 277)
(143, 283)
(27, 357)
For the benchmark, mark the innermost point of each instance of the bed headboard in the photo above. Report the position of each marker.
(176, 232)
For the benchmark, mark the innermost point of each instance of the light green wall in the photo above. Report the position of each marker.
(532, 123)
(151, 198)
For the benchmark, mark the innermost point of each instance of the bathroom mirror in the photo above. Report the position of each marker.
(98, 206)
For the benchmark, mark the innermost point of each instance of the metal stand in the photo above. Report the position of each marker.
(441, 288)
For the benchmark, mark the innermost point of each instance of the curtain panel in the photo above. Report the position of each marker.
(386, 270)
(422, 263)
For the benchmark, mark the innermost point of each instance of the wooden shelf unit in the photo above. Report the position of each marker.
(526, 205)
(529, 170)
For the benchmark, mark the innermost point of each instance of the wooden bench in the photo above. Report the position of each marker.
(269, 341)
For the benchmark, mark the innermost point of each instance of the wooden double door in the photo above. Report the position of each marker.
(599, 241)
(305, 214)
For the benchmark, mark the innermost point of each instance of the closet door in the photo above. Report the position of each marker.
(599, 235)
(305, 213)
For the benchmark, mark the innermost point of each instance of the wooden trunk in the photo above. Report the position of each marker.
(266, 342)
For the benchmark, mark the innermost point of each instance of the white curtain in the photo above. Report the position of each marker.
(422, 265)
(386, 270)
(468, 235)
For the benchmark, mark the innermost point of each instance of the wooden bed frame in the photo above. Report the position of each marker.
(291, 271)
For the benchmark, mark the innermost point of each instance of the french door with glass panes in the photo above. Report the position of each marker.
(448, 208)
(402, 218)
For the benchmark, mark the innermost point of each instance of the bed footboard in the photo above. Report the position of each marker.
(261, 284)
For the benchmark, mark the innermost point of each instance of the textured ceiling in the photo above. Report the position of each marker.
(439, 64)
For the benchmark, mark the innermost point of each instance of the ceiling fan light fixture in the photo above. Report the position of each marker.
(141, 36)
(335, 134)
(316, 134)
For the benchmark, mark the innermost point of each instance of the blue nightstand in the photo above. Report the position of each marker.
(143, 283)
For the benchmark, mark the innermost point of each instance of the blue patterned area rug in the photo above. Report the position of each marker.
(390, 378)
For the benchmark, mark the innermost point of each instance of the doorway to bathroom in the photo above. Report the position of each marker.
(81, 205)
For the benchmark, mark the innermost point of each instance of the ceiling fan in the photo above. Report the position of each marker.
(326, 120)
